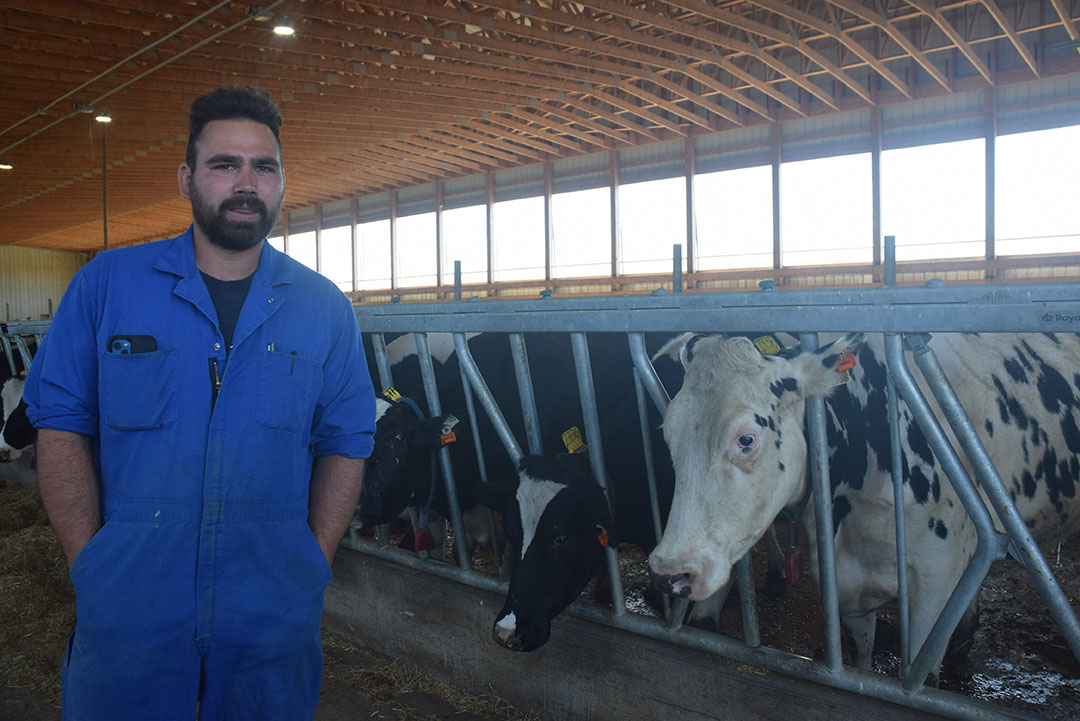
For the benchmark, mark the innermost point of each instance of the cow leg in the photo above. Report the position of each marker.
(862, 629)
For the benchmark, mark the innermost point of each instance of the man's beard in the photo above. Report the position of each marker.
(233, 234)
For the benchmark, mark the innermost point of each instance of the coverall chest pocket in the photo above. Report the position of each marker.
(140, 390)
(286, 396)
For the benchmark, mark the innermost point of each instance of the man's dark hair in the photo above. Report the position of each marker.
(236, 102)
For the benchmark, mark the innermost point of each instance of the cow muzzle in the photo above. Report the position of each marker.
(674, 584)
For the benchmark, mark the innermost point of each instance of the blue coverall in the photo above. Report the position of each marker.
(205, 584)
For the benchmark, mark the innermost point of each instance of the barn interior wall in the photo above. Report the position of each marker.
(33, 280)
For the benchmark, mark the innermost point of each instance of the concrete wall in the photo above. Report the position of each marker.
(586, 672)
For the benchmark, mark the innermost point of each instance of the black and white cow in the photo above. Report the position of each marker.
(559, 525)
(17, 436)
(736, 434)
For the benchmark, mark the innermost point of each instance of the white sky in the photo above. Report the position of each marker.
(932, 201)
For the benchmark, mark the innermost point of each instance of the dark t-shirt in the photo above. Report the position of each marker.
(228, 297)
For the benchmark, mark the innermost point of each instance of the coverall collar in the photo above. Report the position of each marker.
(264, 297)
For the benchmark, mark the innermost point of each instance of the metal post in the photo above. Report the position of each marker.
(525, 392)
(427, 372)
(819, 472)
(748, 601)
(1023, 544)
(587, 393)
(985, 550)
(487, 401)
(676, 268)
(903, 603)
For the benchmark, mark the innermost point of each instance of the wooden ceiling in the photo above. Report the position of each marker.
(393, 93)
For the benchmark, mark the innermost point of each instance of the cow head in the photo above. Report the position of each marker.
(16, 433)
(399, 468)
(558, 523)
(735, 431)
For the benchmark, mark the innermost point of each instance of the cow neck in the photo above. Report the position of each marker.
(426, 508)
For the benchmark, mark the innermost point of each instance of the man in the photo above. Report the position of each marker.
(204, 411)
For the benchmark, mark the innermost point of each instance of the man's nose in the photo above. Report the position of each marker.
(245, 180)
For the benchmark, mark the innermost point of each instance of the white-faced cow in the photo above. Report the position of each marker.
(736, 435)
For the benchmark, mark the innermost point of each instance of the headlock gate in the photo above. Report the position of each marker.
(905, 316)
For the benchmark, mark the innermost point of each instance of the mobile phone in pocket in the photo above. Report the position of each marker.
(130, 344)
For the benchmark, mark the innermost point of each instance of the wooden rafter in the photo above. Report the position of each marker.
(939, 19)
(1010, 32)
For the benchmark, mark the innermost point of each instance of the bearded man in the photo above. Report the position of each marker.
(204, 410)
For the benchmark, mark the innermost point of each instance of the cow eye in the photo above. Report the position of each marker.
(560, 540)
(399, 438)
(746, 442)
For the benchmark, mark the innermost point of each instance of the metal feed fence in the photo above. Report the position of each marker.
(903, 315)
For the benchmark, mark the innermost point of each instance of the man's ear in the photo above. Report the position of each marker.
(183, 179)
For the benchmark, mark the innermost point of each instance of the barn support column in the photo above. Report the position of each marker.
(991, 174)
(352, 244)
(490, 225)
(549, 226)
(393, 240)
(285, 233)
(438, 237)
(774, 156)
(691, 222)
(614, 155)
(875, 182)
(318, 239)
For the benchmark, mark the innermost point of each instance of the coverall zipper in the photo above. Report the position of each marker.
(215, 382)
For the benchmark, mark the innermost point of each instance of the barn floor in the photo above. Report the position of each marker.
(37, 612)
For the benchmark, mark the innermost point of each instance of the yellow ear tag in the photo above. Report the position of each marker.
(571, 438)
(391, 395)
(767, 345)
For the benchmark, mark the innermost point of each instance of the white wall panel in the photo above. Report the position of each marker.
(32, 278)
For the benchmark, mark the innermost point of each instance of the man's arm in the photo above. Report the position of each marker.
(69, 487)
(335, 490)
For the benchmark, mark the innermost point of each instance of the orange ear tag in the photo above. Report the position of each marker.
(603, 537)
(844, 365)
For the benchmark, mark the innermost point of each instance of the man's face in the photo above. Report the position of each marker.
(237, 184)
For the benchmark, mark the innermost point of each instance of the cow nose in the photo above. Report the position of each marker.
(507, 637)
(677, 584)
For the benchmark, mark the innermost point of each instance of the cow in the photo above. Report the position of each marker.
(17, 436)
(736, 435)
(559, 523)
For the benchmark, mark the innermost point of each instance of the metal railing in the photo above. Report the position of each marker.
(898, 313)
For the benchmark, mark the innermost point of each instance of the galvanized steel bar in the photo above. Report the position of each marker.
(986, 548)
(378, 344)
(487, 401)
(525, 392)
(650, 472)
(930, 700)
(647, 373)
(1023, 543)
(1033, 308)
(748, 601)
(7, 340)
(587, 394)
(650, 461)
(427, 372)
(903, 603)
(823, 518)
(481, 466)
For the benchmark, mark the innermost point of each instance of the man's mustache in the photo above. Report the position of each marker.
(251, 203)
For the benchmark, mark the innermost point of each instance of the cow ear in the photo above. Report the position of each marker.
(821, 372)
(497, 493)
(678, 348)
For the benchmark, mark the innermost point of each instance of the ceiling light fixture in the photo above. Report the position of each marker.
(284, 29)
(6, 166)
(103, 118)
